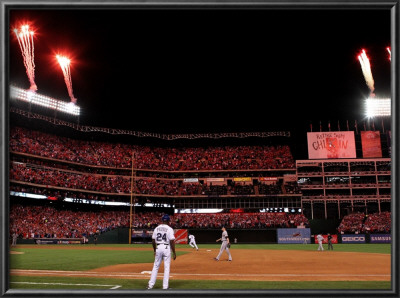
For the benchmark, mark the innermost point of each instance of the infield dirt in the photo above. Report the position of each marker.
(256, 265)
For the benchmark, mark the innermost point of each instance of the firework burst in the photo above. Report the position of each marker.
(25, 41)
(366, 69)
(65, 67)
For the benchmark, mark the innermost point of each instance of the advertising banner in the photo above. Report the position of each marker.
(268, 178)
(58, 240)
(353, 238)
(332, 144)
(371, 144)
(215, 179)
(190, 180)
(242, 179)
(325, 241)
(381, 238)
(294, 235)
(181, 236)
(289, 178)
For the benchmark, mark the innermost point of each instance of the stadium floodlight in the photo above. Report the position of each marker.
(377, 107)
(44, 101)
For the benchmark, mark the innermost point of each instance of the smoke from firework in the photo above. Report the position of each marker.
(64, 64)
(390, 53)
(366, 69)
(25, 41)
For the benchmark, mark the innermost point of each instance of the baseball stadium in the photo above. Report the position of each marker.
(84, 199)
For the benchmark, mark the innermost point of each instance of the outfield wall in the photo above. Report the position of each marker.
(247, 236)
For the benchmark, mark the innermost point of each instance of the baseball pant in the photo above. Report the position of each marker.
(320, 247)
(193, 244)
(163, 252)
(224, 247)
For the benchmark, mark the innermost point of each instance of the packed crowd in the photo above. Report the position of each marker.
(265, 189)
(292, 188)
(49, 222)
(168, 159)
(378, 223)
(116, 184)
(239, 220)
(351, 223)
(356, 223)
(72, 180)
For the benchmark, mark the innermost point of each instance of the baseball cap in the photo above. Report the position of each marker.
(165, 217)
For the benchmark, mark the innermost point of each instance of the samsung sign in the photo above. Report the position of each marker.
(353, 238)
(294, 235)
(381, 238)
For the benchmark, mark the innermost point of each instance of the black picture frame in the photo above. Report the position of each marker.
(393, 6)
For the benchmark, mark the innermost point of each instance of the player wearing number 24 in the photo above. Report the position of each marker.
(163, 241)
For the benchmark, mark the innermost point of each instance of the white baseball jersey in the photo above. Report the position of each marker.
(224, 246)
(224, 236)
(320, 238)
(162, 236)
(192, 242)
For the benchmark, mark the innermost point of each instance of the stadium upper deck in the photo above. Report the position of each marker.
(252, 176)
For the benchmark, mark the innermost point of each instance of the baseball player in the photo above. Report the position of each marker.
(320, 238)
(192, 241)
(14, 239)
(163, 241)
(224, 245)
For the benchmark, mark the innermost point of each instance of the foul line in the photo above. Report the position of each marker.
(64, 284)
(136, 274)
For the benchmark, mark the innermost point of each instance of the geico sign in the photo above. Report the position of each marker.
(359, 239)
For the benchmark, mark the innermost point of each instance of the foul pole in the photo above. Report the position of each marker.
(131, 205)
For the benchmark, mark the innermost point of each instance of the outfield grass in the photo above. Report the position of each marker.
(76, 259)
(38, 282)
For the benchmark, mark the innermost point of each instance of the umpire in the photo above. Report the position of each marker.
(330, 246)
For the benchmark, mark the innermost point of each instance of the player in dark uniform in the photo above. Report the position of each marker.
(330, 246)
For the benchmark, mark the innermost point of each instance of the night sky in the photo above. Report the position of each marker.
(207, 70)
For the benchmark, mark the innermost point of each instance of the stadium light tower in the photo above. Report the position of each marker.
(377, 107)
(44, 101)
